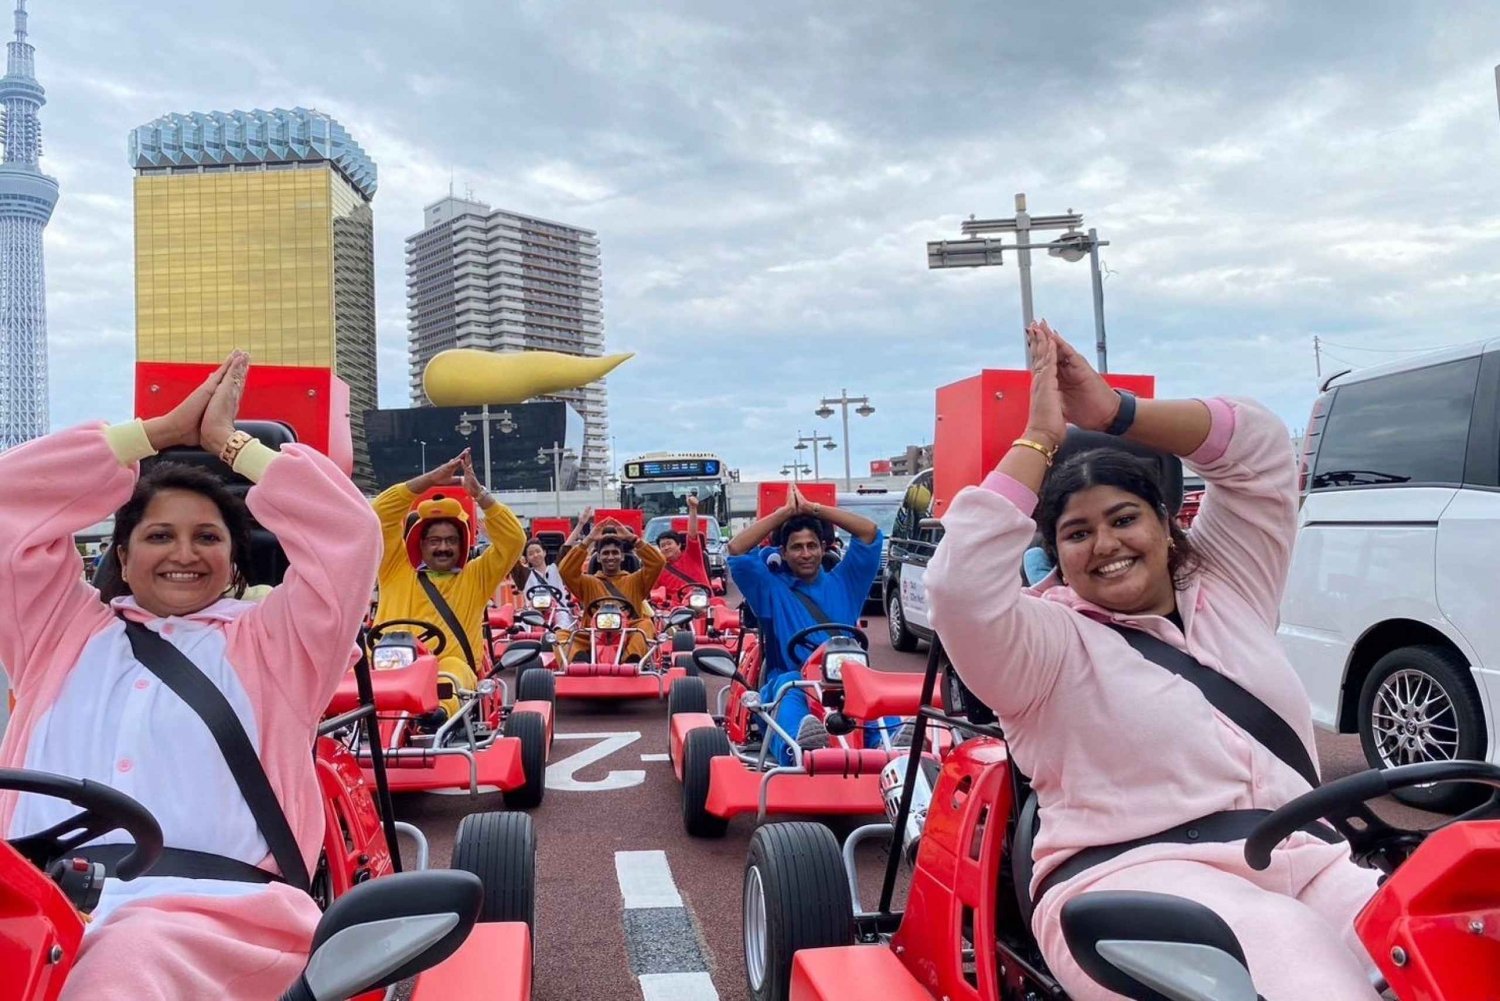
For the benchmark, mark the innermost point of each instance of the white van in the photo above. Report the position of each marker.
(1391, 614)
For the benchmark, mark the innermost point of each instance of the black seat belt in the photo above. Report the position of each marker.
(635, 612)
(1258, 720)
(445, 612)
(190, 684)
(1243, 709)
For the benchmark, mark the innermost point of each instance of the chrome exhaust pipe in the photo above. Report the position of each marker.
(892, 784)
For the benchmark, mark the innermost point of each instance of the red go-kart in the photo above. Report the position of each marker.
(601, 672)
(47, 891)
(713, 622)
(1433, 927)
(485, 745)
(725, 771)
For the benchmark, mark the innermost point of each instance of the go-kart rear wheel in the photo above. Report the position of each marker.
(683, 641)
(698, 750)
(536, 684)
(500, 848)
(796, 896)
(531, 730)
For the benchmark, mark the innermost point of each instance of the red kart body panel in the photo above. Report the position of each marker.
(681, 724)
(734, 788)
(411, 689)
(602, 685)
(833, 974)
(870, 694)
(1430, 907)
(499, 765)
(352, 835)
(953, 888)
(494, 963)
(35, 918)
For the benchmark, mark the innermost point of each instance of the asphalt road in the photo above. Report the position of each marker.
(611, 802)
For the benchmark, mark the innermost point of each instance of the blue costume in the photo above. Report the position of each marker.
(840, 593)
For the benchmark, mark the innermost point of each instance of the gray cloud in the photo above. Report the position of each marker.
(763, 178)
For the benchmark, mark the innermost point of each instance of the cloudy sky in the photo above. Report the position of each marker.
(764, 177)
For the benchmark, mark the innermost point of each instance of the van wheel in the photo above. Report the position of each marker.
(796, 896)
(902, 639)
(1420, 704)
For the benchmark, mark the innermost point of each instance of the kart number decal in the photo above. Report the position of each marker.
(561, 774)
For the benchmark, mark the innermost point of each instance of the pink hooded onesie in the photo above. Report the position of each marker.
(87, 709)
(1118, 748)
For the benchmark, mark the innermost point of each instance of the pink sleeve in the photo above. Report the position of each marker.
(304, 631)
(1248, 520)
(50, 488)
(1008, 647)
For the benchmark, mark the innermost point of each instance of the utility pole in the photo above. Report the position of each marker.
(815, 438)
(1318, 356)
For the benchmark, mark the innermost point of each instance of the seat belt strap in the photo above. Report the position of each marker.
(190, 684)
(445, 612)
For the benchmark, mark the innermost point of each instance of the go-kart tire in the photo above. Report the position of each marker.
(500, 848)
(795, 896)
(701, 746)
(531, 729)
(687, 696)
(1439, 673)
(683, 641)
(536, 684)
(902, 638)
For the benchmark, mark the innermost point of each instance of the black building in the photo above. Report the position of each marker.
(403, 443)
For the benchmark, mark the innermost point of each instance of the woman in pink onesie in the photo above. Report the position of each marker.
(86, 708)
(1117, 747)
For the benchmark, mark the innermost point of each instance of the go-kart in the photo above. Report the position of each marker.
(531, 626)
(48, 887)
(602, 673)
(965, 933)
(726, 771)
(713, 622)
(484, 745)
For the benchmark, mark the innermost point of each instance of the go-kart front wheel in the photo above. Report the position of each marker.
(698, 751)
(500, 848)
(536, 684)
(531, 730)
(796, 896)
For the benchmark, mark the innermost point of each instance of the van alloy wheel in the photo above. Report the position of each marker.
(1413, 720)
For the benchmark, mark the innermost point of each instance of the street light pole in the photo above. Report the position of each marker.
(557, 453)
(483, 417)
(815, 438)
(424, 458)
(1071, 246)
(825, 409)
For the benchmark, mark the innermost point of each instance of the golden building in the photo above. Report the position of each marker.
(254, 230)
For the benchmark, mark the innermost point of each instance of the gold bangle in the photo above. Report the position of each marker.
(1047, 453)
(231, 451)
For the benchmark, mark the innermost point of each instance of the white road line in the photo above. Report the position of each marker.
(656, 757)
(677, 987)
(646, 880)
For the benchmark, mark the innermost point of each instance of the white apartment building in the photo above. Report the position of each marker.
(478, 277)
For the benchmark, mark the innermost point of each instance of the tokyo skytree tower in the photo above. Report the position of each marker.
(26, 200)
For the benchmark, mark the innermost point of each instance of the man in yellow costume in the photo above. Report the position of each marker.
(609, 542)
(426, 573)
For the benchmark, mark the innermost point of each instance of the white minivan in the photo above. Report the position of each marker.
(1391, 614)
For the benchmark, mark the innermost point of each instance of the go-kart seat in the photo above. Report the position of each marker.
(1028, 823)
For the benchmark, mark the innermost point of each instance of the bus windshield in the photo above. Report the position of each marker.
(670, 497)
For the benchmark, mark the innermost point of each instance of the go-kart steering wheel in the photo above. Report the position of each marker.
(104, 809)
(1372, 841)
(430, 636)
(803, 638)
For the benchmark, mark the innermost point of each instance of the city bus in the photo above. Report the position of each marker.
(659, 483)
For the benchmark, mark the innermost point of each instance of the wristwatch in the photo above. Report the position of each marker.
(1126, 415)
(237, 441)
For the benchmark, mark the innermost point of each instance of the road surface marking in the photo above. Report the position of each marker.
(560, 773)
(677, 987)
(656, 757)
(646, 880)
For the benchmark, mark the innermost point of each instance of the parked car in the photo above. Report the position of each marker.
(880, 508)
(910, 544)
(1389, 611)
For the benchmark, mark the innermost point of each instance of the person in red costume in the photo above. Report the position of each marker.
(686, 566)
